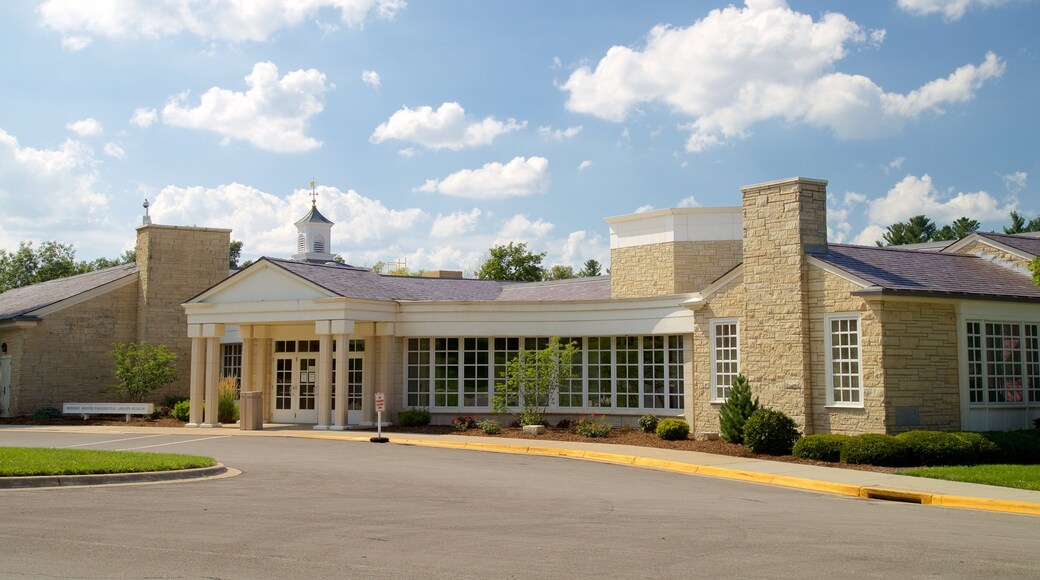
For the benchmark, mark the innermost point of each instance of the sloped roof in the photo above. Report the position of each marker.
(314, 216)
(354, 282)
(1028, 243)
(22, 302)
(901, 271)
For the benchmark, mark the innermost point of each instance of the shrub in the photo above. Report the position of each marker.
(592, 426)
(648, 423)
(820, 447)
(172, 400)
(463, 423)
(736, 410)
(984, 450)
(940, 448)
(489, 426)
(532, 379)
(673, 429)
(141, 369)
(874, 449)
(417, 417)
(227, 405)
(563, 424)
(181, 410)
(770, 431)
(1021, 446)
(47, 413)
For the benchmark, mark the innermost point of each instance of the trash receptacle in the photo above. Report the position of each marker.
(251, 411)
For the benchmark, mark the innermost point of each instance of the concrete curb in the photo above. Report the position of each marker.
(35, 481)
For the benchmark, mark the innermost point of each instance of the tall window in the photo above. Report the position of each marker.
(418, 372)
(571, 392)
(600, 372)
(475, 359)
(231, 362)
(725, 357)
(1003, 362)
(844, 377)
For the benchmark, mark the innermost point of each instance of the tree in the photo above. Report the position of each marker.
(960, 227)
(591, 269)
(512, 262)
(560, 272)
(736, 410)
(142, 369)
(1019, 224)
(234, 253)
(1034, 268)
(916, 230)
(28, 266)
(532, 380)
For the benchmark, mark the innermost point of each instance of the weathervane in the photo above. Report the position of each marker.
(314, 193)
(147, 219)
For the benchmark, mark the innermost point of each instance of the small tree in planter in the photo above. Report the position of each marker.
(141, 369)
(532, 379)
(736, 410)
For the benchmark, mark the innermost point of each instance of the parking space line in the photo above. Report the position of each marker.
(109, 441)
(175, 443)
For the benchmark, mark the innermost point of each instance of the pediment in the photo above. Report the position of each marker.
(262, 282)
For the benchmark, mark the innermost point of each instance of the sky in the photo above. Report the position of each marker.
(436, 129)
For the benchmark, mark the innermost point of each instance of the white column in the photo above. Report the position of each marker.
(325, 379)
(212, 381)
(247, 382)
(339, 419)
(197, 380)
(689, 390)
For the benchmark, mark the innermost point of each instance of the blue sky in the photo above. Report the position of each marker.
(436, 129)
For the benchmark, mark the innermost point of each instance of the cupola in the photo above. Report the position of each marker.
(314, 234)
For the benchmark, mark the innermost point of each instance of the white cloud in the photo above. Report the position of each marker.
(264, 222)
(950, 9)
(143, 117)
(86, 127)
(584, 165)
(644, 208)
(894, 164)
(222, 20)
(272, 114)
(559, 134)
(1016, 182)
(917, 195)
(689, 202)
(455, 224)
(113, 150)
(446, 128)
(371, 78)
(740, 66)
(495, 180)
(520, 228)
(870, 235)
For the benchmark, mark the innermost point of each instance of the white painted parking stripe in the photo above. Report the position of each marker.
(175, 443)
(109, 441)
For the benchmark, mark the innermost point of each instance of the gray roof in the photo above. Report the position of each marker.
(901, 271)
(314, 216)
(1028, 242)
(22, 302)
(354, 282)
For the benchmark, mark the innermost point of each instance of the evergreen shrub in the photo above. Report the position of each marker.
(770, 431)
(1020, 447)
(875, 449)
(417, 417)
(736, 410)
(648, 423)
(47, 413)
(820, 447)
(673, 429)
(940, 448)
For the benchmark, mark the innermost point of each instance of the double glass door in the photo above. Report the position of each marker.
(295, 389)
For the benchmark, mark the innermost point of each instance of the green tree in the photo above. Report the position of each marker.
(28, 266)
(960, 227)
(234, 253)
(141, 369)
(532, 380)
(1019, 224)
(916, 230)
(560, 272)
(512, 262)
(736, 410)
(1034, 267)
(590, 269)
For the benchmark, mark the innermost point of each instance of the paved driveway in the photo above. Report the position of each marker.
(309, 508)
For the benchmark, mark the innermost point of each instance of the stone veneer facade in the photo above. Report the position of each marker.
(982, 249)
(670, 267)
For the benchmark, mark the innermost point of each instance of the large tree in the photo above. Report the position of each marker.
(512, 261)
(560, 272)
(960, 227)
(916, 230)
(28, 266)
(590, 269)
(1020, 225)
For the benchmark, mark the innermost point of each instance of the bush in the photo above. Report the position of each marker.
(489, 426)
(592, 426)
(1022, 447)
(648, 423)
(47, 413)
(141, 369)
(181, 410)
(736, 410)
(941, 448)
(673, 429)
(820, 447)
(563, 424)
(418, 417)
(227, 405)
(874, 449)
(463, 423)
(770, 431)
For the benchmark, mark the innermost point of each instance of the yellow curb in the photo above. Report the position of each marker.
(609, 457)
(996, 505)
(896, 495)
(817, 485)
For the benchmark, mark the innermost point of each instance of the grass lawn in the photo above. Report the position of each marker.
(1016, 476)
(23, 461)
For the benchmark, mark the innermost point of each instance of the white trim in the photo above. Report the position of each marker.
(712, 376)
(975, 237)
(829, 361)
(699, 299)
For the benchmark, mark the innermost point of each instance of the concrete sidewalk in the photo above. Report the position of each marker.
(850, 482)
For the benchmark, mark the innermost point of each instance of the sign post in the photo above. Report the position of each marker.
(380, 407)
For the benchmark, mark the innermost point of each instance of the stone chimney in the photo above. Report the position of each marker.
(782, 220)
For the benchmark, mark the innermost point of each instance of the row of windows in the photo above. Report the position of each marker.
(1003, 362)
(624, 372)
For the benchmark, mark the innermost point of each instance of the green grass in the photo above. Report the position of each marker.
(1016, 476)
(24, 461)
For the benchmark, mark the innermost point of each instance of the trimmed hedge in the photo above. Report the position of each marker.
(820, 447)
(770, 431)
(1021, 446)
(946, 448)
(418, 417)
(673, 429)
(874, 449)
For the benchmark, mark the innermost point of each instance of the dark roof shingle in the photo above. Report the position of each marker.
(1028, 243)
(24, 301)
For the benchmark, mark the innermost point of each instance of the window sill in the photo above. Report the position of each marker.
(839, 406)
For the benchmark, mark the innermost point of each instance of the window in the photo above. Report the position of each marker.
(418, 372)
(725, 357)
(600, 372)
(844, 380)
(475, 370)
(231, 361)
(445, 372)
(1003, 362)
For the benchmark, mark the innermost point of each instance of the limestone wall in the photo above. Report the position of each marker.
(726, 303)
(977, 247)
(670, 267)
